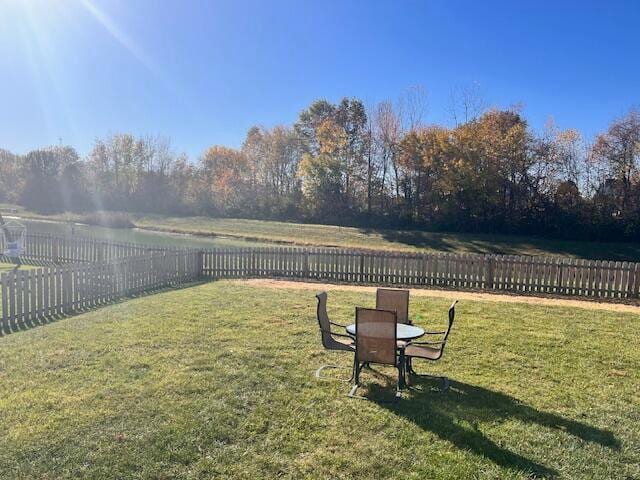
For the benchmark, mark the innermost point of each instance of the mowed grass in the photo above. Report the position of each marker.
(387, 239)
(5, 267)
(260, 231)
(216, 381)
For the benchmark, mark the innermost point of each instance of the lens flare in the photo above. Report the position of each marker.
(118, 34)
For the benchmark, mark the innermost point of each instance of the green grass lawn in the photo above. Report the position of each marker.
(385, 239)
(381, 239)
(216, 381)
(5, 267)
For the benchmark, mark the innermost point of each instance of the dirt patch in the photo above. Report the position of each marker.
(476, 296)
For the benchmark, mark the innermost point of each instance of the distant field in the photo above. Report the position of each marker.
(381, 239)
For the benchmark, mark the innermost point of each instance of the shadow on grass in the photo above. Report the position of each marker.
(454, 417)
(509, 245)
(414, 238)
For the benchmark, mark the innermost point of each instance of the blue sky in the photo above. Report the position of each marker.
(203, 72)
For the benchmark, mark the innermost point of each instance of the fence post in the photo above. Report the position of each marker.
(305, 267)
(4, 297)
(67, 290)
(488, 268)
(636, 281)
(200, 263)
(254, 272)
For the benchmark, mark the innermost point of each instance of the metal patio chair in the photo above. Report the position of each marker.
(395, 300)
(376, 342)
(331, 340)
(431, 351)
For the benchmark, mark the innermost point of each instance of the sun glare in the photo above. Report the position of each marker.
(118, 34)
(43, 19)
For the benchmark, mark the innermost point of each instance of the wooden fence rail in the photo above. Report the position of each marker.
(89, 272)
(510, 273)
(30, 297)
(60, 249)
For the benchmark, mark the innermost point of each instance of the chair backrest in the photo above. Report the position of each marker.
(395, 300)
(376, 340)
(323, 320)
(452, 316)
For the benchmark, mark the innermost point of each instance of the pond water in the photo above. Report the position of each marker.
(136, 235)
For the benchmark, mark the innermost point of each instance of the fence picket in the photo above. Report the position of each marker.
(92, 272)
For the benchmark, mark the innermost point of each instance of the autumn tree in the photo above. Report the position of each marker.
(308, 122)
(49, 179)
(387, 133)
(12, 176)
(423, 159)
(343, 163)
(273, 156)
(352, 146)
(132, 172)
(322, 174)
(223, 175)
(466, 104)
(490, 167)
(618, 151)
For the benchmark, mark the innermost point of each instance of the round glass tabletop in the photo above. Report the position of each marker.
(403, 331)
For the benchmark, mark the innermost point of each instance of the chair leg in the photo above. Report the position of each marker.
(410, 367)
(353, 372)
(408, 372)
(352, 392)
(401, 381)
(323, 377)
(356, 385)
(356, 373)
(445, 384)
(402, 371)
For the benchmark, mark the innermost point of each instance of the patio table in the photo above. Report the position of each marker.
(403, 331)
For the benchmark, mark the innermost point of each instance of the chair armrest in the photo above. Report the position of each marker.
(427, 343)
(435, 333)
(337, 324)
(337, 334)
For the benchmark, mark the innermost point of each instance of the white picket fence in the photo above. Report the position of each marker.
(499, 273)
(83, 273)
(30, 297)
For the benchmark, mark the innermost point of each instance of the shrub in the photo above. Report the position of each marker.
(107, 219)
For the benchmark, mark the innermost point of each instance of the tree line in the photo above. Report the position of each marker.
(347, 164)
